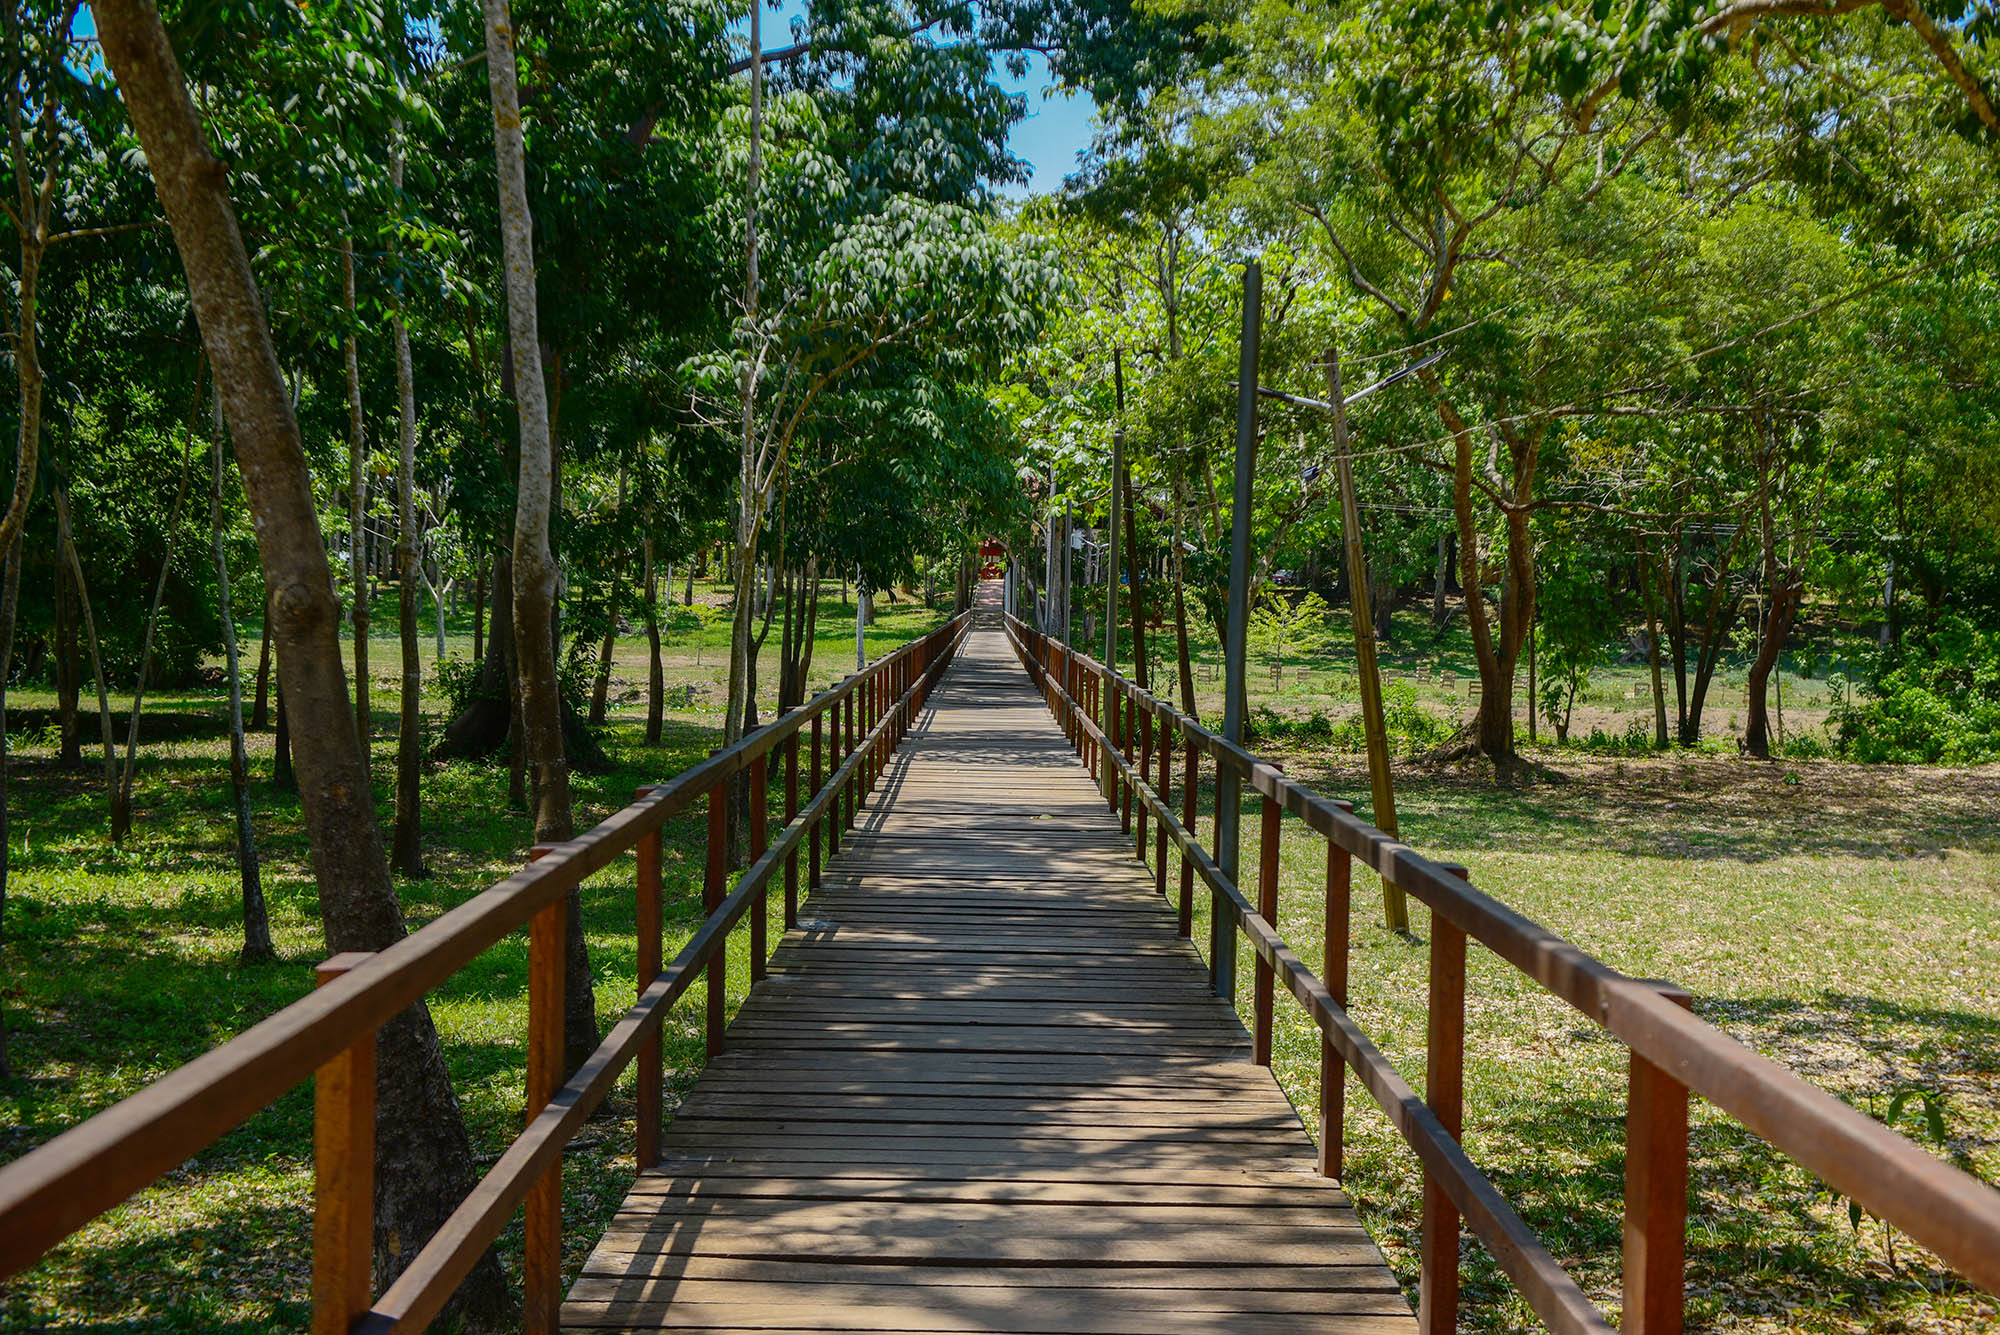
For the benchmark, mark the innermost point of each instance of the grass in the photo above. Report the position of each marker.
(121, 965)
(1843, 919)
(1440, 672)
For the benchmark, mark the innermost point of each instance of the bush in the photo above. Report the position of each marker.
(1935, 702)
(1410, 727)
(1636, 740)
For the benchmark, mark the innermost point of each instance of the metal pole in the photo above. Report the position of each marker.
(1395, 911)
(1111, 553)
(1228, 783)
(1117, 499)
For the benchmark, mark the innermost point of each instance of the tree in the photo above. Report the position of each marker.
(424, 1161)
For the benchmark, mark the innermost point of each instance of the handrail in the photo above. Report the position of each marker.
(53, 1190)
(1943, 1208)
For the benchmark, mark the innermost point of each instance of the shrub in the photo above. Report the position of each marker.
(1935, 702)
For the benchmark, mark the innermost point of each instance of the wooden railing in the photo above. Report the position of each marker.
(851, 729)
(1109, 719)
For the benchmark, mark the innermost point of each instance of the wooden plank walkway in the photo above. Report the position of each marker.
(985, 1088)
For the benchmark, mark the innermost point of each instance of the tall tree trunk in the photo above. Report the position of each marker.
(1496, 649)
(357, 503)
(656, 672)
(535, 496)
(260, 715)
(479, 609)
(66, 542)
(1676, 601)
(284, 776)
(121, 796)
(69, 675)
(10, 604)
(423, 1159)
(600, 687)
(1183, 657)
(1142, 672)
(1439, 612)
(257, 947)
(750, 496)
(1649, 593)
(406, 854)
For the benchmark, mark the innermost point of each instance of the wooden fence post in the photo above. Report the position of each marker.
(1444, 1091)
(714, 882)
(541, 1262)
(819, 826)
(1166, 750)
(649, 922)
(792, 814)
(1338, 926)
(1190, 787)
(343, 1175)
(760, 815)
(1656, 1171)
(1267, 908)
(1137, 807)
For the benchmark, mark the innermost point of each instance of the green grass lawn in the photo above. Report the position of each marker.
(1843, 919)
(121, 964)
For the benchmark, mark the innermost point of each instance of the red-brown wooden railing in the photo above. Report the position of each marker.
(49, 1193)
(1672, 1052)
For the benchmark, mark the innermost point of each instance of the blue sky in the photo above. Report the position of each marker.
(1057, 127)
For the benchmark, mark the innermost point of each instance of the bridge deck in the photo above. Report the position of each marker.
(985, 1088)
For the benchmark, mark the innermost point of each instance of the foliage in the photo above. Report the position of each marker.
(1936, 702)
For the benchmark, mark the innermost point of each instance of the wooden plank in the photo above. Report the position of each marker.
(984, 1087)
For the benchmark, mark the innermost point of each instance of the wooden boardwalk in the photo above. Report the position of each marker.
(985, 1088)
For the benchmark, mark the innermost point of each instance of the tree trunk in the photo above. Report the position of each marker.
(69, 675)
(1134, 569)
(257, 947)
(656, 672)
(1183, 658)
(284, 776)
(406, 854)
(1496, 649)
(357, 504)
(66, 542)
(535, 496)
(1647, 575)
(423, 1159)
(479, 609)
(121, 796)
(260, 716)
(600, 689)
(10, 603)
(1439, 612)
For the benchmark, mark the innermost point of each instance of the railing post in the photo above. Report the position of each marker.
(649, 922)
(760, 815)
(1267, 908)
(792, 814)
(1444, 1091)
(832, 768)
(343, 1175)
(849, 805)
(1128, 723)
(1338, 926)
(1221, 913)
(1190, 786)
(1135, 807)
(1166, 762)
(541, 1262)
(1656, 1169)
(714, 880)
(819, 826)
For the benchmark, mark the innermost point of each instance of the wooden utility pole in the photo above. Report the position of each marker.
(1395, 909)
